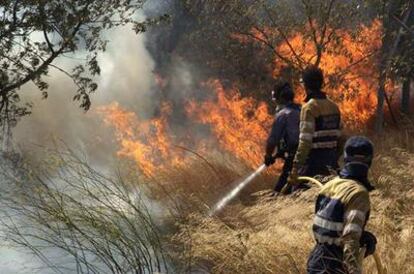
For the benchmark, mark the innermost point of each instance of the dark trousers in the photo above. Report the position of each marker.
(319, 162)
(326, 259)
(313, 170)
(283, 178)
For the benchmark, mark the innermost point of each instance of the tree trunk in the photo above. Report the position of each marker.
(379, 122)
(390, 42)
(405, 96)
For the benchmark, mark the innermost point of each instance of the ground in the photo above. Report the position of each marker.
(273, 235)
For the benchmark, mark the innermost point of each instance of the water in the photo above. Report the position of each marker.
(233, 193)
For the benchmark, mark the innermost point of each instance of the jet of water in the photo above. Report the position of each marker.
(233, 193)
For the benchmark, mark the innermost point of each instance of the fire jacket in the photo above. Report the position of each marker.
(285, 127)
(320, 123)
(341, 213)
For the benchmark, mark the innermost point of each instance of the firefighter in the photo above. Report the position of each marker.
(284, 136)
(341, 213)
(320, 123)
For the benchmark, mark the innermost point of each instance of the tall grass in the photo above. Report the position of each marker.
(104, 223)
(77, 219)
(271, 235)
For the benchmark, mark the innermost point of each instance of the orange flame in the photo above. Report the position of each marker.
(148, 142)
(240, 125)
(350, 67)
(160, 81)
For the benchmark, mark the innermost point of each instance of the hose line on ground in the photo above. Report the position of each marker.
(310, 179)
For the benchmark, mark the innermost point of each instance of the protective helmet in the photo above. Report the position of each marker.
(359, 150)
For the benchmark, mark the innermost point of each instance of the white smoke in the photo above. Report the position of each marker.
(126, 77)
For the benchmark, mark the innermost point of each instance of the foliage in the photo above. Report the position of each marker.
(398, 17)
(212, 40)
(396, 52)
(33, 34)
(249, 43)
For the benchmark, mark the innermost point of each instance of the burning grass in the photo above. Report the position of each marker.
(255, 234)
(149, 143)
(237, 125)
(267, 235)
(240, 124)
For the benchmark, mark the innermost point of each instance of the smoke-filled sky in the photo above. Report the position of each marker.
(126, 77)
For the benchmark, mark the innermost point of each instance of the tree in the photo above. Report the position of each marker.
(396, 52)
(249, 43)
(404, 60)
(405, 96)
(35, 33)
(216, 38)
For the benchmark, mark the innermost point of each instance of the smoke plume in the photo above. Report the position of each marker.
(126, 77)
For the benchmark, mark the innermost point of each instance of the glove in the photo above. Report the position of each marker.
(293, 177)
(280, 154)
(269, 160)
(369, 241)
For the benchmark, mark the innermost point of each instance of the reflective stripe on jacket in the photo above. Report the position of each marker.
(341, 212)
(320, 130)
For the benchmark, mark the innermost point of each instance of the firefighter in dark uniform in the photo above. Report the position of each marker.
(320, 130)
(284, 136)
(341, 213)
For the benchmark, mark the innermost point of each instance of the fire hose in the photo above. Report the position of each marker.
(234, 192)
(377, 259)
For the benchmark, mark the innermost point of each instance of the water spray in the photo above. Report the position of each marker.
(230, 196)
(223, 202)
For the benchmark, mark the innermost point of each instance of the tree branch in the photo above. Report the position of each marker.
(404, 25)
(286, 39)
(268, 44)
(321, 44)
(39, 70)
(313, 30)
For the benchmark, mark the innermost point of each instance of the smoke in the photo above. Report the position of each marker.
(127, 77)
(129, 70)
(129, 67)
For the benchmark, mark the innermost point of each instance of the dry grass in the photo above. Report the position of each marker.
(76, 219)
(267, 235)
(200, 184)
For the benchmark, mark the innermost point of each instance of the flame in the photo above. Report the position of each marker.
(351, 70)
(350, 65)
(160, 81)
(239, 124)
(148, 142)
